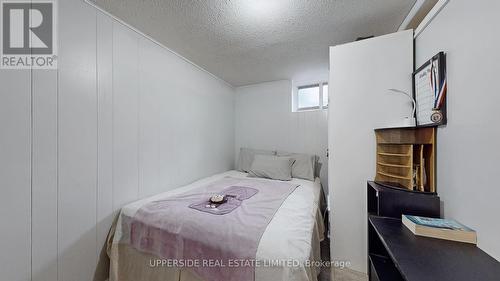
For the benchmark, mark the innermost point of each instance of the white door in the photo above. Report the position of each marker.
(360, 75)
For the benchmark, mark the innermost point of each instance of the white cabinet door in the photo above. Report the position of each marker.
(360, 74)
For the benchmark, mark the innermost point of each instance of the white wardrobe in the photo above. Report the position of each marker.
(360, 75)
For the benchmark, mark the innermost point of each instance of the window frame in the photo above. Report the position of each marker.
(309, 107)
(321, 95)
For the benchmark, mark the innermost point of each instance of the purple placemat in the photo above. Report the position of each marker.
(235, 196)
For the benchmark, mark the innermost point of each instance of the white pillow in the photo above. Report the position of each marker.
(271, 167)
(304, 166)
(247, 155)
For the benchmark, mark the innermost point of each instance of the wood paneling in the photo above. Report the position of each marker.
(15, 175)
(151, 88)
(125, 115)
(122, 118)
(44, 173)
(77, 141)
(104, 127)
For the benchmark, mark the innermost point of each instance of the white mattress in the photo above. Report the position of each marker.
(292, 235)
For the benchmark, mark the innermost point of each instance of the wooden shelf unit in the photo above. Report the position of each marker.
(401, 154)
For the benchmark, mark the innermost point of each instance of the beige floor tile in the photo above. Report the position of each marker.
(348, 275)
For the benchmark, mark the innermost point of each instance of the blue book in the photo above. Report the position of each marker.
(439, 228)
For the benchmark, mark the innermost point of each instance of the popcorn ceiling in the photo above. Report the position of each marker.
(250, 41)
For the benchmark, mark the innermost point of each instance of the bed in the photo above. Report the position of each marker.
(293, 235)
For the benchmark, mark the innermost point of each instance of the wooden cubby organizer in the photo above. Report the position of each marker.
(406, 158)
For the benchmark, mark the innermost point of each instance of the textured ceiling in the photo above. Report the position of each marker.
(250, 41)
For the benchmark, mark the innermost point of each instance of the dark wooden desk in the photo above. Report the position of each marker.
(397, 254)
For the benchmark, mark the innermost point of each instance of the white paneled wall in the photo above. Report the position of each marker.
(149, 118)
(15, 179)
(44, 175)
(77, 141)
(125, 114)
(104, 61)
(264, 120)
(122, 118)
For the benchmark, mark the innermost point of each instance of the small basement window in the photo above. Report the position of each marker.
(312, 97)
(308, 97)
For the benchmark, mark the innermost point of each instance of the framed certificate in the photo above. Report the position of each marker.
(429, 92)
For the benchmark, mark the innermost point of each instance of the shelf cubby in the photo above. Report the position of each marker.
(406, 157)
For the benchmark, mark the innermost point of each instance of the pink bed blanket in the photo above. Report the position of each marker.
(216, 247)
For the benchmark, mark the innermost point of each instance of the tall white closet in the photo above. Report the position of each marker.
(360, 75)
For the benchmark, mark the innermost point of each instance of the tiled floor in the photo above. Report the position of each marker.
(348, 275)
(337, 274)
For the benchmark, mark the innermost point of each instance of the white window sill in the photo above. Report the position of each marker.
(311, 109)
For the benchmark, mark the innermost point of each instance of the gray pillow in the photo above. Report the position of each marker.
(271, 167)
(304, 166)
(247, 155)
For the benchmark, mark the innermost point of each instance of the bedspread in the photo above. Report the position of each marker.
(294, 234)
(217, 247)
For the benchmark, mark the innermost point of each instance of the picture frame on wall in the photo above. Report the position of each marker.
(430, 91)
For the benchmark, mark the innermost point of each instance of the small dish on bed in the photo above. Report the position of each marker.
(218, 199)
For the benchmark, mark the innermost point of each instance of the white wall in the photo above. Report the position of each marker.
(264, 119)
(15, 172)
(468, 155)
(360, 74)
(122, 118)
